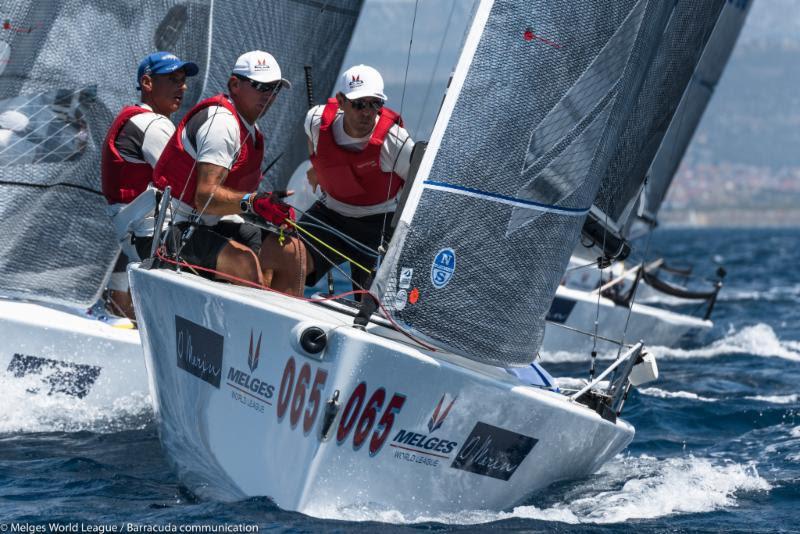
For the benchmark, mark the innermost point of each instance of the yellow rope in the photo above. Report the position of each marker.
(324, 244)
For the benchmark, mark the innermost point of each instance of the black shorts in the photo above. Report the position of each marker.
(206, 242)
(365, 230)
(142, 245)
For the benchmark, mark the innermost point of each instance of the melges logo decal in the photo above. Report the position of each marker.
(199, 350)
(247, 389)
(493, 452)
(355, 82)
(423, 448)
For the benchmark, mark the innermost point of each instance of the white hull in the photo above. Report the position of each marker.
(578, 309)
(61, 352)
(240, 406)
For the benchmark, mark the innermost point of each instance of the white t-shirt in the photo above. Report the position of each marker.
(144, 136)
(211, 136)
(395, 157)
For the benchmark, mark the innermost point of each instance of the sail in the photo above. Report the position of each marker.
(66, 69)
(297, 33)
(692, 105)
(685, 36)
(528, 127)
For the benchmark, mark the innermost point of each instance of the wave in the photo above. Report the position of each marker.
(24, 411)
(776, 399)
(664, 394)
(628, 488)
(756, 340)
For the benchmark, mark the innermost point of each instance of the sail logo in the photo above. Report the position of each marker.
(443, 267)
(246, 389)
(355, 82)
(493, 451)
(199, 350)
(252, 356)
(425, 449)
(436, 419)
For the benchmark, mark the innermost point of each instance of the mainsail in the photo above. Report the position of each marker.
(67, 67)
(540, 97)
(692, 105)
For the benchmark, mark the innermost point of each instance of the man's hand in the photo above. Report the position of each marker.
(311, 174)
(271, 209)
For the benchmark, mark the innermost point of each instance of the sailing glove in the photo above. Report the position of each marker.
(270, 208)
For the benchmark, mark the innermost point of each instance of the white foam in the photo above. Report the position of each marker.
(24, 411)
(775, 399)
(773, 294)
(664, 394)
(757, 340)
(628, 488)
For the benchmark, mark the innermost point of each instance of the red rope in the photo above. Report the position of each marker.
(160, 255)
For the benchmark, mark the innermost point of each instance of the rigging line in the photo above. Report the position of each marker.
(633, 297)
(352, 241)
(329, 247)
(57, 184)
(308, 225)
(35, 146)
(408, 57)
(584, 332)
(436, 63)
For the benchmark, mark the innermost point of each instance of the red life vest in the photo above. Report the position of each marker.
(122, 181)
(355, 177)
(175, 164)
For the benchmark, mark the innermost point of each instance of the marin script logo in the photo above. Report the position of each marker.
(493, 452)
(199, 350)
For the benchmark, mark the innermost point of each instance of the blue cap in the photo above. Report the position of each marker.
(164, 63)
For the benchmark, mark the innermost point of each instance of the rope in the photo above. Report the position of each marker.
(241, 281)
(326, 245)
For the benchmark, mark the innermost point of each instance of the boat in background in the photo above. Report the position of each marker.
(597, 306)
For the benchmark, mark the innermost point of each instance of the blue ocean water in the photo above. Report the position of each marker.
(717, 444)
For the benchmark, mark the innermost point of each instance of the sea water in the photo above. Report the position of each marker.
(717, 442)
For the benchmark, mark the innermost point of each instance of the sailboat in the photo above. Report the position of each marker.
(425, 407)
(59, 245)
(658, 134)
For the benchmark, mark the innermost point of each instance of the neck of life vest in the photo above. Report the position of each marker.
(177, 169)
(351, 177)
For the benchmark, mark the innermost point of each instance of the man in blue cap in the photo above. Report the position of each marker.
(134, 143)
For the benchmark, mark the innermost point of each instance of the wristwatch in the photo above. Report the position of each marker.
(244, 204)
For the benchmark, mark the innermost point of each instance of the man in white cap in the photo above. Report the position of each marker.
(133, 144)
(213, 164)
(360, 156)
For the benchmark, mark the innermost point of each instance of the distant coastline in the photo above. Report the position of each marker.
(730, 218)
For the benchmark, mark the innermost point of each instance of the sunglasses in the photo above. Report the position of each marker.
(360, 104)
(262, 87)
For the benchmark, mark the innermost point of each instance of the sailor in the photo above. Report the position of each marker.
(133, 144)
(360, 156)
(213, 165)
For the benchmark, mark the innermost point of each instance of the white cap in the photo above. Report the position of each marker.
(14, 120)
(362, 81)
(259, 66)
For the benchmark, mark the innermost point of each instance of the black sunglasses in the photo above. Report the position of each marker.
(262, 87)
(359, 104)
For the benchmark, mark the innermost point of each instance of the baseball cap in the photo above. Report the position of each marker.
(261, 67)
(14, 120)
(362, 81)
(164, 63)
